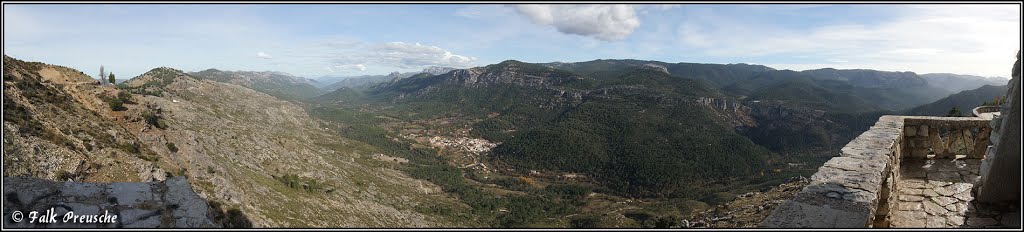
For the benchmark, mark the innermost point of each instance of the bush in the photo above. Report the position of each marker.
(116, 104)
(171, 147)
(303, 183)
(154, 120)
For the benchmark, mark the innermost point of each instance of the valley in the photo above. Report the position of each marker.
(605, 143)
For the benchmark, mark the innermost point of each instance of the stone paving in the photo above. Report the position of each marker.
(936, 193)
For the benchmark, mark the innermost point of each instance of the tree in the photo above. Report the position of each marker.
(112, 80)
(102, 74)
(954, 112)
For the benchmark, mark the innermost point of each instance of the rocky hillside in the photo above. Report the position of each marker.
(956, 82)
(166, 204)
(965, 101)
(57, 127)
(277, 84)
(242, 147)
(262, 160)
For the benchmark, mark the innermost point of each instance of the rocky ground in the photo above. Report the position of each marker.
(262, 160)
(747, 210)
(168, 204)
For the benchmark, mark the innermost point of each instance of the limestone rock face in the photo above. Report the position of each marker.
(167, 204)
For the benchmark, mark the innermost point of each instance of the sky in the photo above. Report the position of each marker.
(314, 40)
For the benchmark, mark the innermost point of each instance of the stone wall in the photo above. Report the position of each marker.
(945, 137)
(167, 204)
(853, 189)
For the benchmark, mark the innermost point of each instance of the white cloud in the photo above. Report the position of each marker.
(351, 67)
(603, 22)
(263, 55)
(349, 55)
(975, 39)
(406, 55)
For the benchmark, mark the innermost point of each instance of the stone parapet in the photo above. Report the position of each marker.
(854, 190)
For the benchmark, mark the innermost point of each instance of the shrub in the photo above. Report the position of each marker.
(154, 120)
(171, 147)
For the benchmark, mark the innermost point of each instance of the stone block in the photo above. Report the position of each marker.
(910, 198)
(910, 206)
(909, 131)
(934, 209)
(944, 201)
(792, 214)
(922, 130)
(130, 193)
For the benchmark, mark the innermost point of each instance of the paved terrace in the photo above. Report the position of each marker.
(904, 172)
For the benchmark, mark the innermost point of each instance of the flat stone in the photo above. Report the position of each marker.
(961, 187)
(138, 218)
(981, 222)
(82, 189)
(955, 220)
(929, 193)
(944, 191)
(130, 193)
(951, 208)
(860, 196)
(912, 198)
(944, 201)
(910, 214)
(961, 207)
(934, 209)
(935, 183)
(908, 219)
(792, 214)
(910, 206)
(914, 184)
(936, 222)
(964, 196)
(911, 191)
(866, 180)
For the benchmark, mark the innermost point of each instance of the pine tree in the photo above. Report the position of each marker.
(112, 80)
(954, 112)
(102, 75)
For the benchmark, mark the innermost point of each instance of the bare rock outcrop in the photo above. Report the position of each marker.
(166, 204)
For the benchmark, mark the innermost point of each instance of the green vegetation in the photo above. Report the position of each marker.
(117, 102)
(112, 80)
(153, 118)
(954, 112)
(304, 183)
(965, 101)
(171, 147)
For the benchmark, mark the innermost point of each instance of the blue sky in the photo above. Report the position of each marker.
(349, 40)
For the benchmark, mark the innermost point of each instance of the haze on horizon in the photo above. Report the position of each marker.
(351, 40)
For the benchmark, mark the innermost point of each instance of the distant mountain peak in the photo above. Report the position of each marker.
(437, 70)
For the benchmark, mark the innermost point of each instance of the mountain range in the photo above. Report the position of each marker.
(614, 143)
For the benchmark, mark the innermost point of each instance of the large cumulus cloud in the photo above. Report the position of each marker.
(603, 22)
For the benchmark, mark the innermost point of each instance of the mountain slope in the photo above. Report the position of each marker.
(956, 82)
(57, 128)
(242, 146)
(277, 84)
(965, 101)
(633, 129)
(259, 160)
